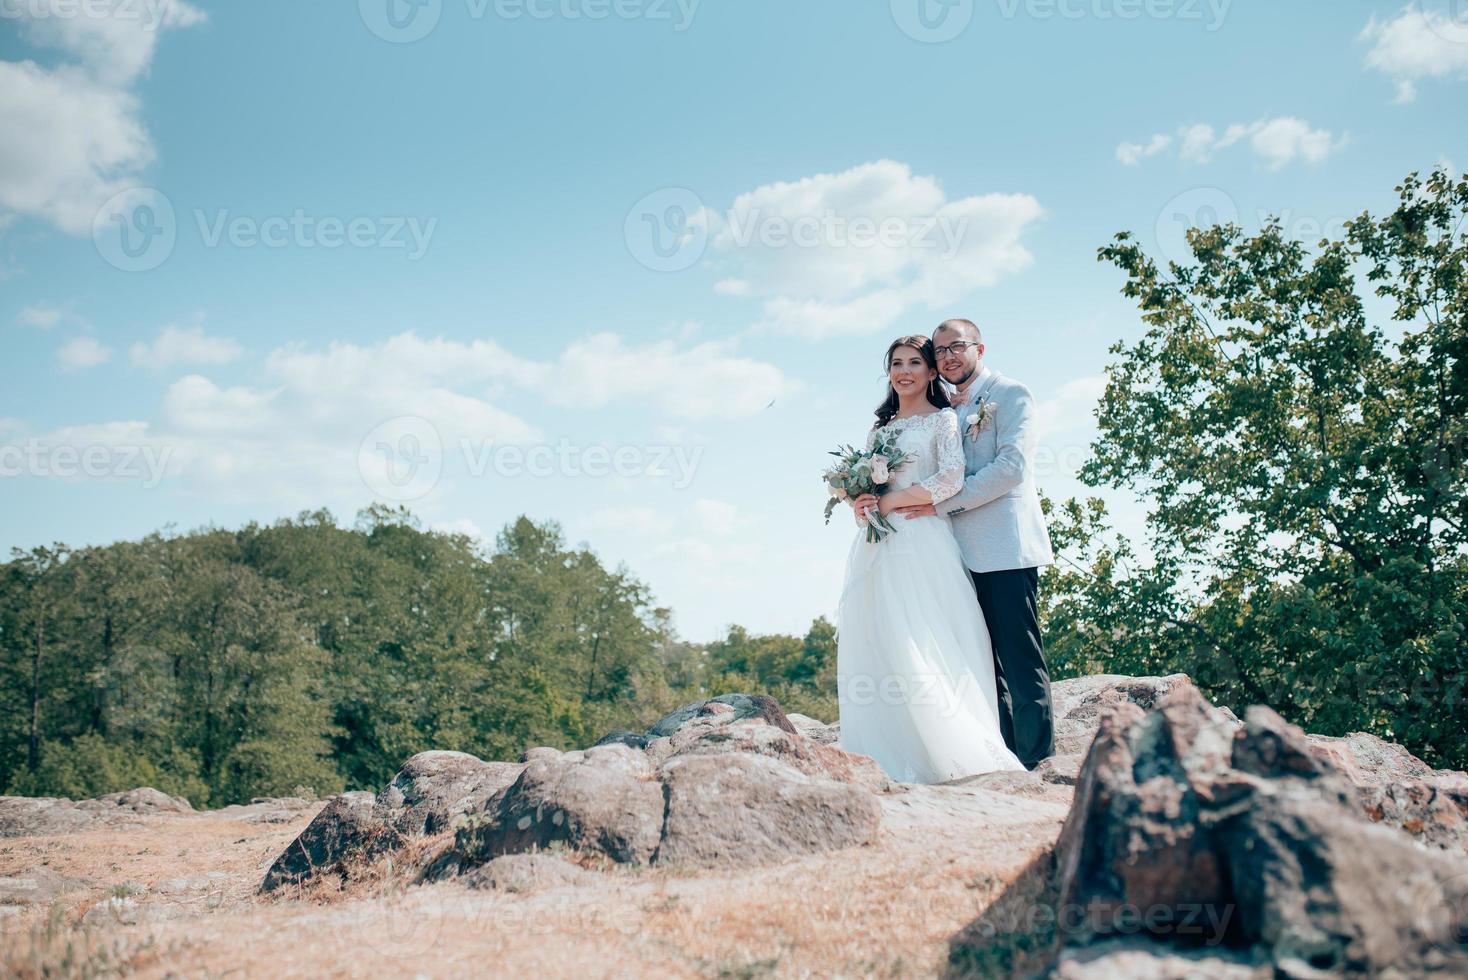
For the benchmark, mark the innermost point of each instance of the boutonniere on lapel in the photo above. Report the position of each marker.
(980, 417)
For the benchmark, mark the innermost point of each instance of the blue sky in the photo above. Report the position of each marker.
(259, 258)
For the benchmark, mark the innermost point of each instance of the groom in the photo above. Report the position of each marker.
(1000, 530)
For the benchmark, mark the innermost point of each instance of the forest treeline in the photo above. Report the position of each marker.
(222, 665)
(1305, 470)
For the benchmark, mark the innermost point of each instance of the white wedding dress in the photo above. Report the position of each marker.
(914, 661)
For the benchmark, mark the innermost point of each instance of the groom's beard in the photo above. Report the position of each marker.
(961, 381)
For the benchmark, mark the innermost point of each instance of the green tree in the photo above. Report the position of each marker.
(1305, 472)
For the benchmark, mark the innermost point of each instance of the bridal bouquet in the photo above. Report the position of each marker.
(860, 471)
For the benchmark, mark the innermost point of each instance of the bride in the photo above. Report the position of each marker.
(914, 662)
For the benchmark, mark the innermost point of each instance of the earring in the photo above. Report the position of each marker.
(930, 386)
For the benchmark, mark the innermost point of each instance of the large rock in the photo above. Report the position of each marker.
(728, 779)
(716, 735)
(815, 729)
(1397, 789)
(144, 799)
(733, 707)
(348, 829)
(1077, 705)
(1189, 827)
(741, 809)
(46, 816)
(38, 886)
(43, 816)
(436, 791)
(605, 800)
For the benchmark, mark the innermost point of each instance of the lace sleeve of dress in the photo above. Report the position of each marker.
(949, 478)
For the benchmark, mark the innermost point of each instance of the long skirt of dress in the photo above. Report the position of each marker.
(914, 661)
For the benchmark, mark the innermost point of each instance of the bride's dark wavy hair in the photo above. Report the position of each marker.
(936, 395)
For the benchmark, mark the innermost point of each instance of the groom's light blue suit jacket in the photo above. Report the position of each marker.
(996, 517)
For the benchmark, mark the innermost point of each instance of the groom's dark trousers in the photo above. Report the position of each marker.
(1008, 599)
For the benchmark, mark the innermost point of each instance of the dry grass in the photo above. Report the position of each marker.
(887, 909)
(51, 948)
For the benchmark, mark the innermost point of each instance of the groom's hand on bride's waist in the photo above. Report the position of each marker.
(918, 510)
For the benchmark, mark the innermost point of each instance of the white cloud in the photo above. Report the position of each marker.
(462, 525)
(845, 254)
(716, 517)
(1279, 142)
(1069, 410)
(117, 46)
(1131, 154)
(84, 140)
(1418, 44)
(641, 521)
(1195, 142)
(1282, 141)
(82, 352)
(731, 287)
(40, 315)
(294, 436)
(175, 346)
(703, 381)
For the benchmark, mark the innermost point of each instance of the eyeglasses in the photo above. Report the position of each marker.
(956, 349)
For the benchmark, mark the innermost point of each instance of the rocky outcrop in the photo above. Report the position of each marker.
(743, 809)
(1397, 789)
(38, 886)
(22, 816)
(435, 791)
(1200, 845)
(347, 829)
(723, 781)
(1076, 705)
(605, 800)
(735, 707)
